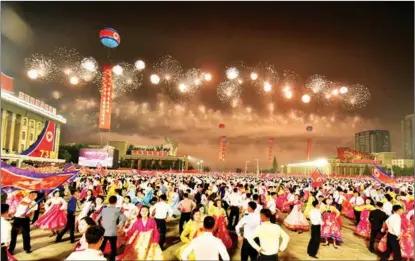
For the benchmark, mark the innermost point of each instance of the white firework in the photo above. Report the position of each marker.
(317, 84)
(232, 73)
(168, 69)
(228, 91)
(127, 80)
(40, 67)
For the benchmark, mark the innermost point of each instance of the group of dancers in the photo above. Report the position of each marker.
(133, 211)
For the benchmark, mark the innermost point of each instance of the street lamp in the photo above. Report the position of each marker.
(246, 166)
(257, 168)
(282, 168)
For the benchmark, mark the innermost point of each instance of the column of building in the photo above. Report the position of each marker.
(22, 134)
(12, 133)
(57, 140)
(3, 129)
(31, 132)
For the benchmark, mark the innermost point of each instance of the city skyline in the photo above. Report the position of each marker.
(319, 40)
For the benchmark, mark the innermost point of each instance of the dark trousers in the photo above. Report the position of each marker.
(113, 243)
(248, 251)
(357, 215)
(24, 225)
(161, 226)
(373, 233)
(4, 253)
(392, 247)
(339, 207)
(70, 225)
(314, 243)
(184, 217)
(234, 214)
(268, 258)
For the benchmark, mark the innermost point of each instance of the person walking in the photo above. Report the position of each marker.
(112, 221)
(235, 201)
(316, 221)
(22, 217)
(249, 223)
(269, 235)
(70, 225)
(206, 247)
(6, 230)
(393, 224)
(376, 219)
(186, 207)
(161, 211)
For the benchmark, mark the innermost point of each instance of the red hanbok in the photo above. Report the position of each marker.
(331, 226)
(364, 226)
(55, 217)
(407, 239)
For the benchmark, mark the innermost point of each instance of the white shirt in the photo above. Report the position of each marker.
(21, 210)
(387, 208)
(249, 222)
(269, 237)
(258, 208)
(87, 254)
(394, 225)
(272, 205)
(235, 200)
(206, 247)
(340, 198)
(6, 231)
(315, 217)
(357, 201)
(120, 201)
(162, 210)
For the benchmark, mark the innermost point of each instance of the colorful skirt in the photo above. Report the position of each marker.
(296, 220)
(54, 219)
(331, 227)
(142, 248)
(364, 227)
(221, 231)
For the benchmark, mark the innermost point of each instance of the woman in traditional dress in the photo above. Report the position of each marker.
(364, 227)
(143, 239)
(127, 207)
(192, 229)
(330, 227)
(13, 200)
(221, 221)
(175, 199)
(148, 195)
(97, 209)
(54, 218)
(83, 225)
(296, 220)
(309, 205)
(86, 209)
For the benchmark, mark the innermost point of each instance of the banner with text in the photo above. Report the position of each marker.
(106, 99)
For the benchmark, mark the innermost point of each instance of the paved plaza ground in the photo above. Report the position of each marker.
(353, 248)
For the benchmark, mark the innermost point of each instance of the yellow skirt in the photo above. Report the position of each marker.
(180, 251)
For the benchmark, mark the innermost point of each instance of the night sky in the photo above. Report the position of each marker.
(369, 43)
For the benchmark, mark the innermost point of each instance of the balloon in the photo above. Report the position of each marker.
(109, 37)
(221, 126)
(309, 129)
(270, 139)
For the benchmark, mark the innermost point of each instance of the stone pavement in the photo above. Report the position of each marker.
(354, 247)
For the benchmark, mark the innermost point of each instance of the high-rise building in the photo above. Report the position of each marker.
(408, 136)
(373, 141)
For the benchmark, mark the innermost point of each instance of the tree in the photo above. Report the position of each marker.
(64, 154)
(238, 170)
(367, 171)
(206, 169)
(274, 165)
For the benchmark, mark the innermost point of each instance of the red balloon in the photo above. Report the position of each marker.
(221, 126)
(309, 129)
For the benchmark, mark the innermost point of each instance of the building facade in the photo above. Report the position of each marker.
(408, 136)
(403, 163)
(373, 141)
(22, 122)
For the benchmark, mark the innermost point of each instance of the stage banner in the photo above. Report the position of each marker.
(13, 178)
(345, 154)
(106, 99)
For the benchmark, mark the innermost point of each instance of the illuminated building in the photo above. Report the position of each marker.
(373, 141)
(23, 119)
(402, 163)
(408, 136)
(162, 156)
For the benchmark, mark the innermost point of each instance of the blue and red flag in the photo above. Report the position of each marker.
(380, 175)
(316, 178)
(13, 178)
(69, 167)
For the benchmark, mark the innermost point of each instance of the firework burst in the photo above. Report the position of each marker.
(127, 79)
(168, 69)
(40, 67)
(229, 90)
(357, 97)
(264, 77)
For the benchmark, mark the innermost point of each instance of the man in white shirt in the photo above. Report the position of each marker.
(316, 221)
(269, 237)
(272, 203)
(22, 217)
(161, 212)
(206, 247)
(94, 236)
(6, 230)
(394, 235)
(235, 201)
(249, 222)
(387, 206)
(259, 207)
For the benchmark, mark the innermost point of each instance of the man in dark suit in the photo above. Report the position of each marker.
(70, 225)
(376, 219)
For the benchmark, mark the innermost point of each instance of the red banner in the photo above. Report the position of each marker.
(149, 153)
(317, 178)
(222, 147)
(346, 154)
(106, 99)
(6, 83)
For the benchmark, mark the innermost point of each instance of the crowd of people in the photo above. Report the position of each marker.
(124, 216)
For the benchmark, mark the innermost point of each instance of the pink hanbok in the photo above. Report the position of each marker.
(331, 226)
(55, 216)
(364, 226)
